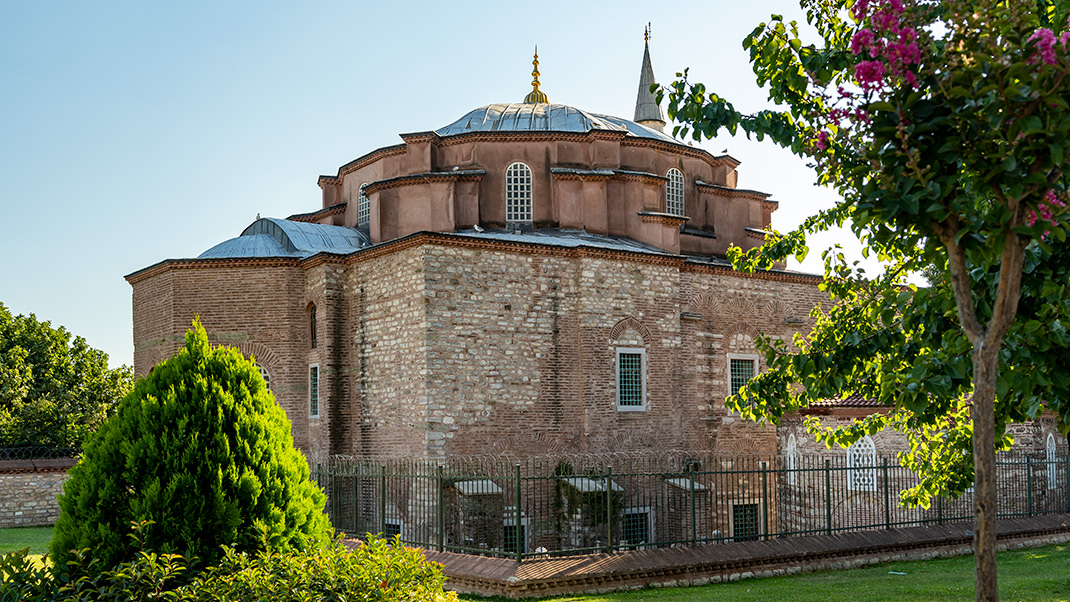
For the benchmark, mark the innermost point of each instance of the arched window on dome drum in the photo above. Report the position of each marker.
(364, 209)
(674, 192)
(518, 194)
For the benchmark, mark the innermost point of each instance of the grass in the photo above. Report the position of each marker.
(1030, 575)
(35, 538)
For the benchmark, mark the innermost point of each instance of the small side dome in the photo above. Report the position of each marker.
(272, 237)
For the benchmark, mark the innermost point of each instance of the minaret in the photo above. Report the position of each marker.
(536, 95)
(647, 110)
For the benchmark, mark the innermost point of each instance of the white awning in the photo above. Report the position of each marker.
(585, 485)
(478, 487)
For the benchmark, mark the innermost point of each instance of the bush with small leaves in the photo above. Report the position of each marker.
(201, 450)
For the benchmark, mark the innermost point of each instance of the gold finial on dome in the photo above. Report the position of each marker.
(536, 95)
(646, 33)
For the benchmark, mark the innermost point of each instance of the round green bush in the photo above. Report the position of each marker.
(201, 449)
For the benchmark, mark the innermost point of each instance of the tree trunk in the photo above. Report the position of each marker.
(985, 370)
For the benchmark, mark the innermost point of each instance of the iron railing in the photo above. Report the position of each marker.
(37, 452)
(602, 503)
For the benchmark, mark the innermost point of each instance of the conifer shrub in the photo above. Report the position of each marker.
(198, 452)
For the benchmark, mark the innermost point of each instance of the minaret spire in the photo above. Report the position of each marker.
(536, 95)
(647, 110)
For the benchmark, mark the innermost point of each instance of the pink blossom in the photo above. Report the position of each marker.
(870, 74)
(843, 93)
(1052, 198)
(911, 79)
(1032, 218)
(822, 140)
(858, 11)
(1044, 40)
(861, 41)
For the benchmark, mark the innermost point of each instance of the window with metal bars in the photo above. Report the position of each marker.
(265, 375)
(1049, 457)
(631, 379)
(745, 522)
(637, 526)
(862, 465)
(740, 371)
(364, 208)
(674, 192)
(314, 391)
(518, 194)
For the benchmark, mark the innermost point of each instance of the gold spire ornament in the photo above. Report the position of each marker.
(536, 95)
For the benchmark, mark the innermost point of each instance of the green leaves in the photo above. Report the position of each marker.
(200, 449)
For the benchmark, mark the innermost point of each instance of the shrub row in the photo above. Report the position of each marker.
(380, 571)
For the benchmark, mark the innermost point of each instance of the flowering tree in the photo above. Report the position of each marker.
(944, 127)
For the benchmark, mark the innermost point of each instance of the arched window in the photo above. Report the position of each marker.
(312, 323)
(518, 194)
(862, 465)
(789, 459)
(1049, 455)
(674, 192)
(266, 376)
(364, 209)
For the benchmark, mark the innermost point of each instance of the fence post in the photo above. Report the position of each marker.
(356, 499)
(609, 508)
(1067, 482)
(1029, 483)
(887, 497)
(441, 512)
(828, 497)
(765, 500)
(382, 499)
(519, 538)
(940, 509)
(694, 528)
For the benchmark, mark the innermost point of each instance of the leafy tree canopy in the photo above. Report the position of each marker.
(201, 450)
(54, 388)
(944, 126)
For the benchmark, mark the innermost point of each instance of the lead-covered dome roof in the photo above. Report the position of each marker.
(543, 117)
(271, 237)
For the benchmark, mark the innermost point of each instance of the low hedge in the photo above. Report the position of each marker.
(380, 570)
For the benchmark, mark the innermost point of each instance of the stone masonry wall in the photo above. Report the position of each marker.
(28, 499)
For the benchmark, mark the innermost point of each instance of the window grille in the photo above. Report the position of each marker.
(392, 528)
(674, 193)
(518, 193)
(637, 527)
(745, 523)
(314, 391)
(742, 370)
(862, 465)
(630, 376)
(364, 209)
(1053, 476)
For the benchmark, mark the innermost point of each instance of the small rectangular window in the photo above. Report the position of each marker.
(392, 528)
(746, 525)
(631, 379)
(637, 526)
(740, 370)
(314, 391)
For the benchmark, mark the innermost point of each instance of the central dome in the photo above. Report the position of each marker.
(542, 117)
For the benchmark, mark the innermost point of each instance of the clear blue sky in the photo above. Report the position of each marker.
(132, 132)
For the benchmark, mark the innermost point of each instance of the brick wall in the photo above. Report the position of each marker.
(28, 496)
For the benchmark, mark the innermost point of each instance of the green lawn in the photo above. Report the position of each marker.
(1034, 575)
(35, 538)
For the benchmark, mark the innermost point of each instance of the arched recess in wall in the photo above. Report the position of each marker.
(862, 465)
(790, 452)
(1049, 456)
(312, 326)
(266, 360)
(626, 324)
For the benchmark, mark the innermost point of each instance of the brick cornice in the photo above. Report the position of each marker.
(591, 175)
(372, 157)
(773, 275)
(653, 217)
(314, 216)
(639, 176)
(200, 264)
(466, 175)
(734, 192)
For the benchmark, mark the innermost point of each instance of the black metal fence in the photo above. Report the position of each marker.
(37, 452)
(602, 503)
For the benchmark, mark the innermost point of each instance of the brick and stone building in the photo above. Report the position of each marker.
(532, 277)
